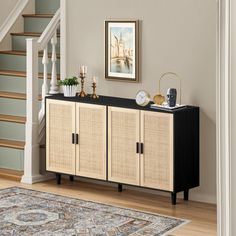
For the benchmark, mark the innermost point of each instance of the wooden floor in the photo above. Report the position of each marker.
(202, 216)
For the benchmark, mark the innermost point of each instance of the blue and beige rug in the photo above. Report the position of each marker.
(25, 213)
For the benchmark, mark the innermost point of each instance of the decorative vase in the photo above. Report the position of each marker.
(69, 90)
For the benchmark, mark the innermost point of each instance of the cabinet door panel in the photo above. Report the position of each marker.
(60, 126)
(157, 159)
(123, 134)
(91, 150)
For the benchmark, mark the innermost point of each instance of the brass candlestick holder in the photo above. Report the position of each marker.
(94, 95)
(82, 92)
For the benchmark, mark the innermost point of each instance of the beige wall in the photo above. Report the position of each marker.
(177, 36)
(5, 8)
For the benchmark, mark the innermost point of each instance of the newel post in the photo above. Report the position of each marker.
(31, 156)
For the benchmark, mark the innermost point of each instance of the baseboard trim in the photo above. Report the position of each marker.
(36, 179)
(196, 197)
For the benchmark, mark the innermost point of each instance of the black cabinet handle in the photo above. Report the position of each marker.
(73, 138)
(137, 147)
(77, 139)
(141, 148)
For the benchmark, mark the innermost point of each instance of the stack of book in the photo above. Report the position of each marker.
(166, 107)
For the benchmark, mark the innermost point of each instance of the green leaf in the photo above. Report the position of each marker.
(68, 81)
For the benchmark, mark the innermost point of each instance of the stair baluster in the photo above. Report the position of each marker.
(45, 73)
(45, 62)
(54, 87)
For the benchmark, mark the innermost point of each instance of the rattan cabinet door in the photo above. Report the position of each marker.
(123, 134)
(157, 157)
(60, 124)
(91, 147)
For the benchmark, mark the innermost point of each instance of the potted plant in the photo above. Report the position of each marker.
(69, 86)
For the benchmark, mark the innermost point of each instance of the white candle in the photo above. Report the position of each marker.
(83, 69)
(95, 79)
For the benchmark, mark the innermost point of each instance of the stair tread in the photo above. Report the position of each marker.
(12, 144)
(11, 174)
(13, 95)
(23, 53)
(14, 119)
(22, 74)
(33, 34)
(38, 15)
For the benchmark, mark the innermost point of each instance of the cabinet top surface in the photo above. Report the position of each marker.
(117, 102)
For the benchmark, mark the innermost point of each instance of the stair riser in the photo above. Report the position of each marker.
(13, 107)
(32, 24)
(12, 84)
(15, 84)
(15, 62)
(46, 6)
(12, 131)
(11, 158)
(19, 43)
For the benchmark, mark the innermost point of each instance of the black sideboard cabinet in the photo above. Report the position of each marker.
(113, 139)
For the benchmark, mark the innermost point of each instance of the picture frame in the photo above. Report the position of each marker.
(122, 50)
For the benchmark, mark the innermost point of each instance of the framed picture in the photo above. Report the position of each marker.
(121, 50)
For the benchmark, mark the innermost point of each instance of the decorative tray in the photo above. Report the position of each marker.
(166, 107)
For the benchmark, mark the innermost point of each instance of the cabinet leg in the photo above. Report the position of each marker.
(186, 195)
(58, 178)
(71, 178)
(120, 188)
(173, 198)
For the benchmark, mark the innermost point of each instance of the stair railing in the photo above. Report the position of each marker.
(49, 35)
(35, 121)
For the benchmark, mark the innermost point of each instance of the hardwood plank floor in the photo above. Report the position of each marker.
(201, 215)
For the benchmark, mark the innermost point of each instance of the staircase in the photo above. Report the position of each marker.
(13, 88)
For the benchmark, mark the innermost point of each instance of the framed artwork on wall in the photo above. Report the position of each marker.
(122, 50)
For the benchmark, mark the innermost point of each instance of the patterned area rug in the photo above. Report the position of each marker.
(25, 213)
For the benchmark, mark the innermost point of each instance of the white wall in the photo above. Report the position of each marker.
(5, 9)
(177, 36)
